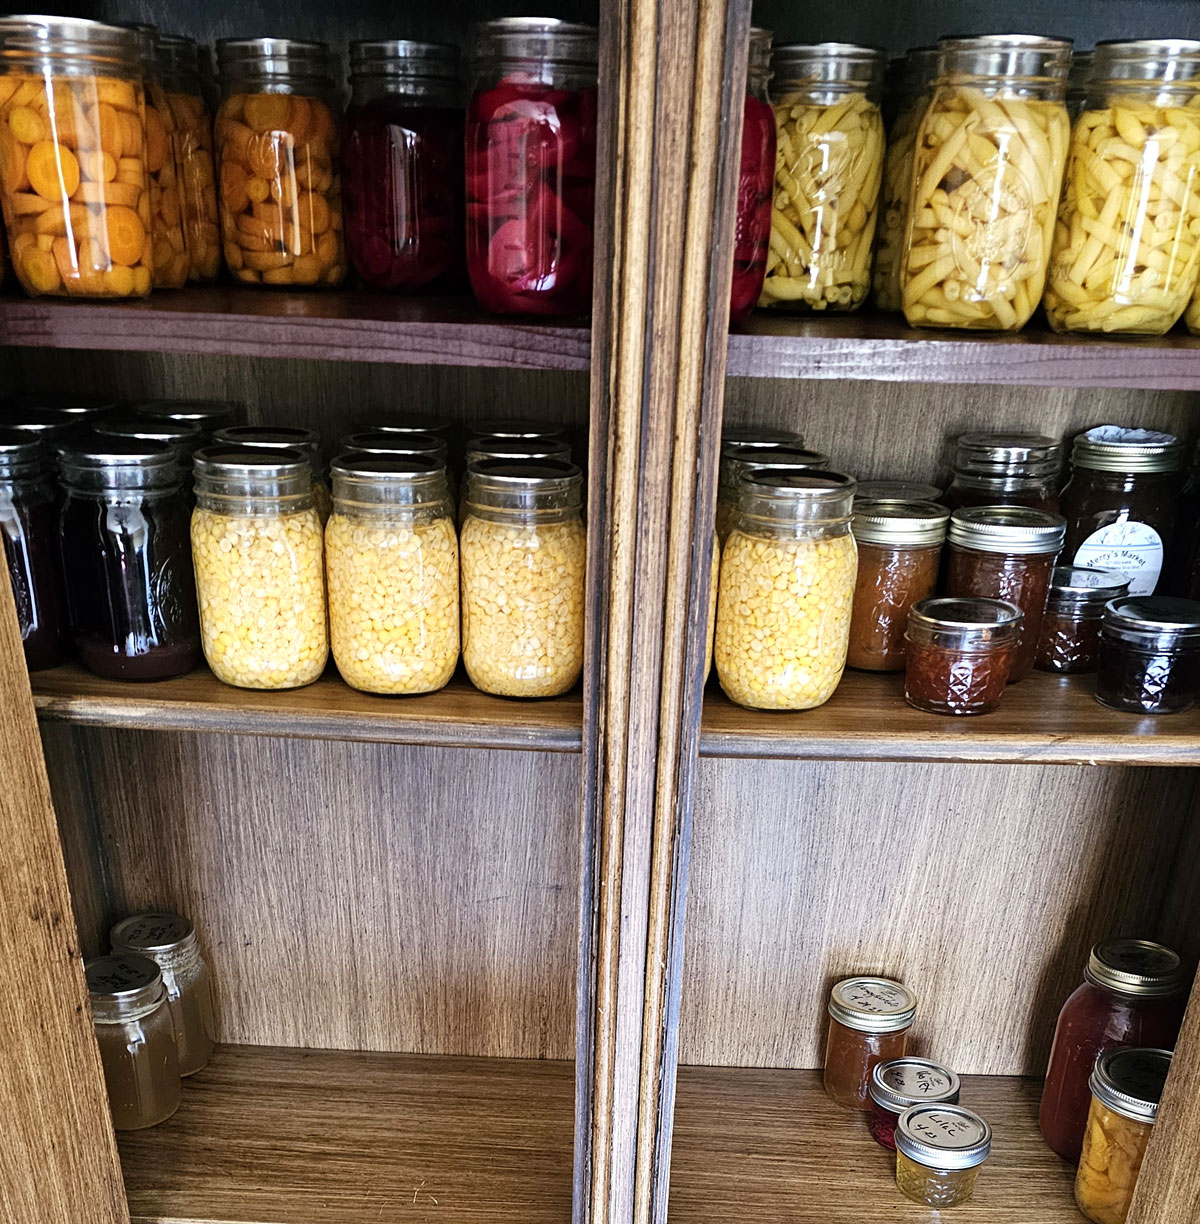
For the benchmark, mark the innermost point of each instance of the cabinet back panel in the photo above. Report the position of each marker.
(981, 886)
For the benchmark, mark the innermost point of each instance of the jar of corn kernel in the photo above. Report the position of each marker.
(787, 587)
(392, 556)
(277, 153)
(523, 560)
(260, 567)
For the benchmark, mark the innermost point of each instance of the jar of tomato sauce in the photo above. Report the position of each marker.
(756, 182)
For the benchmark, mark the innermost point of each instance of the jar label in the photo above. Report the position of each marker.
(1131, 548)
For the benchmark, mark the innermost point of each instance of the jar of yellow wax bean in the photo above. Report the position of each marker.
(260, 567)
(786, 591)
(391, 552)
(1126, 253)
(284, 437)
(523, 558)
(940, 1150)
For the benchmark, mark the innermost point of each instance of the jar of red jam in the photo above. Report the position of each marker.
(737, 461)
(899, 555)
(1133, 994)
(869, 1019)
(756, 182)
(1006, 552)
(1149, 654)
(402, 166)
(1017, 469)
(531, 166)
(899, 1085)
(1070, 637)
(958, 653)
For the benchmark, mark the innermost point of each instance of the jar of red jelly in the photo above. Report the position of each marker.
(531, 166)
(902, 1083)
(869, 1019)
(1070, 639)
(1133, 994)
(402, 166)
(1017, 469)
(756, 182)
(1149, 654)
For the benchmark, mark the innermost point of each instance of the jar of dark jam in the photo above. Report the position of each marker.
(737, 461)
(1149, 654)
(29, 526)
(403, 166)
(130, 589)
(1006, 552)
(210, 415)
(959, 653)
(899, 1085)
(756, 182)
(1070, 639)
(899, 555)
(1121, 502)
(896, 490)
(1016, 469)
(1133, 994)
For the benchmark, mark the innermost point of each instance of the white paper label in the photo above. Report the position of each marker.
(1131, 548)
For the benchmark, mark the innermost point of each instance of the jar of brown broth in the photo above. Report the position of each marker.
(1005, 469)
(1070, 637)
(869, 1019)
(1150, 654)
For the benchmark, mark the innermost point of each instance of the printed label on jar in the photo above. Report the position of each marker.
(1131, 548)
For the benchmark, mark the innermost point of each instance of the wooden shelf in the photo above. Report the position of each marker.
(769, 1146)
(458, 716)
(1045, 719)
(276, 1136)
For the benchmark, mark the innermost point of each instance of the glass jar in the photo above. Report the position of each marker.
(29, 527)
(898, 1085)
(1126, 1088)
(869, 1019)
(1133, 993)
(996, 469)
(1007, 553)
(260, 567)
(130, 593)
(1121, 502)
(281, 438)
(517, 450)
(391, 552)
(737, 462)
(758, 435)
(404, 166)
(277, 154)
(68, 406)
(899, 555)
(1126, 253)
(73, 178)
(940, 1150)
(523, 555)
(827, 175)
(531, 166)
(987, 174)
(1078, 80)
(136, 1036)
(915, 89)
(1070, 639)
(959, 653)
(210, 415)
(411, 422)
(179, 63)
(896, 490)
(1149, 654)
(170, 941)
(756, 182)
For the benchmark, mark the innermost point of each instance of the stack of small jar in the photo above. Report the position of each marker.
(153, 1010)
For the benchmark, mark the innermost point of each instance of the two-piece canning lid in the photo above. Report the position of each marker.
(1029, 57)
(1136, 967)
(1163, 61)
(830, 66)
(904, 1082)
(384, 442)
(1130, 1082)
(167, 939)
(872, 1005)
(737, 461)
(403, 58)
(801, 496)
(1000, 455)
(208, 414)
(367, 480)
(1159, 622)
(758, 435)
(902, 524)
(22, 454)
(946, 1137)
(1110, 448)
(965, 622)
(1084, 590)
(124, 986)
(108, 463)
(1007, 529)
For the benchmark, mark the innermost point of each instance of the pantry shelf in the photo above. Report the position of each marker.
(283, 1136)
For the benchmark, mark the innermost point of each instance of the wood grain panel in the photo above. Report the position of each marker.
(983, 887)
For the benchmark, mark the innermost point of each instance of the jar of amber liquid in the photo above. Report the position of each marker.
(869, 1019)
(136, 1036)
(1070, 638)
(899, 554)
(737, 462)
(1126, 1086)
(898, 1085)
(1149, 654)
(169, 940)
(940, 1150)
(996, 469)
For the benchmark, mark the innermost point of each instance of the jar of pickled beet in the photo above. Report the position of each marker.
(869, 1019)
(403, 166)
(756, 182)
(1149, 654)
(531, 166)
(898, 1085)
(1070, 637)
(737, 461)
(1015, 469)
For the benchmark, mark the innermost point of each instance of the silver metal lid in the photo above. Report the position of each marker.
(968, 622)
(151, 933)
(102, 461)
(514, 428)
(895, 490)
(134, 980)
(1012, 454)
(1072, 585)
(1110, 448)
(272, 437)
(65, 38)
(536, 484)
(1162, 61)
(1007, 529)
(385, 442)
(738, 460)
(536, 38)
(1130, 1081)
(801, 496)
(48, 426)
(838, 64)
(1007, 57)
(518, 450)
(1136, 967)
(76, 408)
(904, 1082)
(1153, 616)
(412, 422)
(402, 57)
(943, 1137)
(912, 523)
(388, 480)
(183, 437)
(275, 57)
(872, 1005)
(208, 414)
(22, 454)
(758, 435)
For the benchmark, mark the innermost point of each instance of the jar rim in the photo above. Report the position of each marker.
(517, 450)
(268, 437)
(101, 451)
(965, 612)
(382, 442)
(886, 1088)
(67, 37)
(1153, 614)
(872, 1004)
(899, 522)
(1113, 448)
(1007, 529)
(1136, 967)
(1130, 1081)
(1148, 61)
(514, 427)
(413, 422)
(385, 469)
(536, 38)
(758, 436)
(208, 414)
(266, 463)
(943, 1136)
(156, 931)
(1085, 584)
(126, 977)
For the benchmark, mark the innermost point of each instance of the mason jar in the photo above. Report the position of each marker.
(869, 1019)
(940, 1151)
(1070, 636)
(1005, 469)
(756, 182)
(1149, 654)
(284, 437)
(183, 437)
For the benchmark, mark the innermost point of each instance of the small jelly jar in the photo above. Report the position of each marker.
(1016, 469)
(898, 1085)
(940, 1150)
(1149, 654)
(1070, 637)
(403, 166)
(869, 1019)
(958, 654)
(531, 166)
(756, 182)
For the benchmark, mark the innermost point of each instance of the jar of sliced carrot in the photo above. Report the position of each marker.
(73, 182)
(277, 153)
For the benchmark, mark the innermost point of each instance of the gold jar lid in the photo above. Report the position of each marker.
(943, 1137)
(911, 524)
(872, 1005)
(1136, 967)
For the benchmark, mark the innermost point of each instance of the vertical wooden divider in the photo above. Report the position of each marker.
(58, 1159)
(673, 76)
